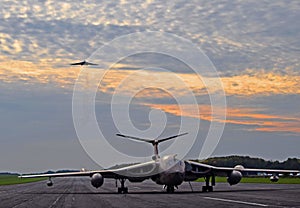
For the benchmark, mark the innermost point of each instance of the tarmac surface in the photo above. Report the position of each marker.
(78, 192)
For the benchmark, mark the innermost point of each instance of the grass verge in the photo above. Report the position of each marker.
(13, 179)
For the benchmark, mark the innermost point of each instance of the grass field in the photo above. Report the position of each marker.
(286, 180)
(13, 179)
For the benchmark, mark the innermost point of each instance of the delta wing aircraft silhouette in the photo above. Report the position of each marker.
(165, 170)
(82, 63)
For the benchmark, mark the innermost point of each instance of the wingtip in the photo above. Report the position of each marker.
(185, 133)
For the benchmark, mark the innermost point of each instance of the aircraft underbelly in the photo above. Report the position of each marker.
(170, 179)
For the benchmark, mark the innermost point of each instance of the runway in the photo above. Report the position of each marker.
(77, 192)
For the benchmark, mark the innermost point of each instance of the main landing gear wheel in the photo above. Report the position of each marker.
(207, 187)
(122, 189)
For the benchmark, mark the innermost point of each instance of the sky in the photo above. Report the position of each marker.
(253, 46)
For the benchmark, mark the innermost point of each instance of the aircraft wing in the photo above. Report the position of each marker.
(197, 167)
(75, 64)
(107, 173)
(141, 170)
(89, 63)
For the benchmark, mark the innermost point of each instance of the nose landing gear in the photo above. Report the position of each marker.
(170, 189)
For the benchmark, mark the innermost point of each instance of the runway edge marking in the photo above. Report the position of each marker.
(235, 201)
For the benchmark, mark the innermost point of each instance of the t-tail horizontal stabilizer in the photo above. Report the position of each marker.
(154, 142)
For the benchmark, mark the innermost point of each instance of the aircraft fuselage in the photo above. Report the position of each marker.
(172, 171)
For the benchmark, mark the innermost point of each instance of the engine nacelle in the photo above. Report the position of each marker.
(97, 180)
(234, 177)
(274, 178)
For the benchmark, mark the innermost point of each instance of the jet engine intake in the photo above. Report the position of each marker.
(97, 180)
(234, 177)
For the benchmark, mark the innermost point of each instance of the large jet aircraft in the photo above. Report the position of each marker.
(166, 170)
(82, 63)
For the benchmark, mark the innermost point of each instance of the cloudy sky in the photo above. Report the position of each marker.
(253, 45)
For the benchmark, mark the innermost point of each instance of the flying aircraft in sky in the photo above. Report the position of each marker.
(82, 63)
(166, 170)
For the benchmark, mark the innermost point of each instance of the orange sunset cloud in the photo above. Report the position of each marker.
(240, 116)
(260, 83)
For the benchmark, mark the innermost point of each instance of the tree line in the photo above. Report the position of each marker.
(249, 162)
